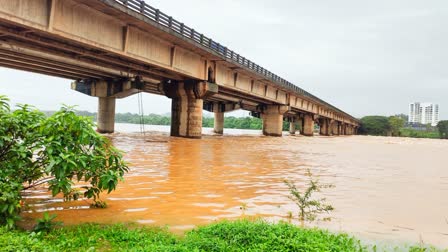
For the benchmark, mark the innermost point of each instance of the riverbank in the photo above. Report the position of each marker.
(242, 235)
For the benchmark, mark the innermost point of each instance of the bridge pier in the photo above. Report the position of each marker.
(107, 93)
(218, 124)
(352, 130)
(308, 125)
(219, 109)
(186, 106)
(106, 115)
(272, 116)
(333, 127)
(324, 127)
(292, 127)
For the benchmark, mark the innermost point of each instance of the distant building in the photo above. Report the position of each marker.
(424, 113)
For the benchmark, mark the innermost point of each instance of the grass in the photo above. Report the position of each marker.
(241, 235)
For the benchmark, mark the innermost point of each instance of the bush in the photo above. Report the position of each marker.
(55, 150)
(309, 206)
(245, 235)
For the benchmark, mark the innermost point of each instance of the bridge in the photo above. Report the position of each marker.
(112, 49)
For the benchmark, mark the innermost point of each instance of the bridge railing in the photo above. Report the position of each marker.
(165, 20)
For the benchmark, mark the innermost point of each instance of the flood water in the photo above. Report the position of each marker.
(390, 189)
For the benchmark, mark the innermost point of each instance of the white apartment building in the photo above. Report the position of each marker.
(424, 113)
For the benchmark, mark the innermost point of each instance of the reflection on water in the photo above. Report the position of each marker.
(386, 188)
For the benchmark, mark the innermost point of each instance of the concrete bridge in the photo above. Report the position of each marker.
(116, 48)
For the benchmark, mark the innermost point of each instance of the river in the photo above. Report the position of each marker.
(385, 189)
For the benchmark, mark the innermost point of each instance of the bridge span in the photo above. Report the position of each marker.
(112, 49)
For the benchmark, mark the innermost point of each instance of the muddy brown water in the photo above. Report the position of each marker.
(389, 189)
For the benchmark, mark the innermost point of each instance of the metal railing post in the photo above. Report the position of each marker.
(142, 7)
(157, 15)
(182, 29)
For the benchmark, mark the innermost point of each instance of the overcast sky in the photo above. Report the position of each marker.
(365, 57)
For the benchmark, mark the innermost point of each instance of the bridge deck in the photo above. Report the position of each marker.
(106, 39)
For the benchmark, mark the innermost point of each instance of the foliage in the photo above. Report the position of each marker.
(442, 126)
(395, 124)
(46, 224)
(98, 204)
(410, 132)
(241, 235)
(232, 122)
(259, 235)
(55, 150)
(375, 125)
(309, 207)
(404, 117)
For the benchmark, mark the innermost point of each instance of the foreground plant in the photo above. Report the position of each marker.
(240, 235)
(309, 207)
(47, 223)
(56, 150)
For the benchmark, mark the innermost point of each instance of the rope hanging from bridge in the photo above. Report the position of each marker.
(140, 112)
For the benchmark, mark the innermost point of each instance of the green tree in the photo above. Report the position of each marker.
(403, 116)
(375, 125)
(395, 124)
(442, 126)
(56, 151)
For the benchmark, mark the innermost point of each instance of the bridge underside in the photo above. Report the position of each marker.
(115, 54)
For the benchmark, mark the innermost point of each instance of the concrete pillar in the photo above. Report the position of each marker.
(335, 128)
(219, 123)
(272, 116)
(107, 92)
(321, 129)
(186, 117)
(106, 115)
(324, 128)
(292, 127)
(186, 106)
(300, 123)
(219, 109)
(308, 125)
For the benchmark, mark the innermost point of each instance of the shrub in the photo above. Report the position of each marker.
(309, 207)
(55, 150)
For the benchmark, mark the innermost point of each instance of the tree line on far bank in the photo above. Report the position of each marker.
(398, 126)
(230, 122)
